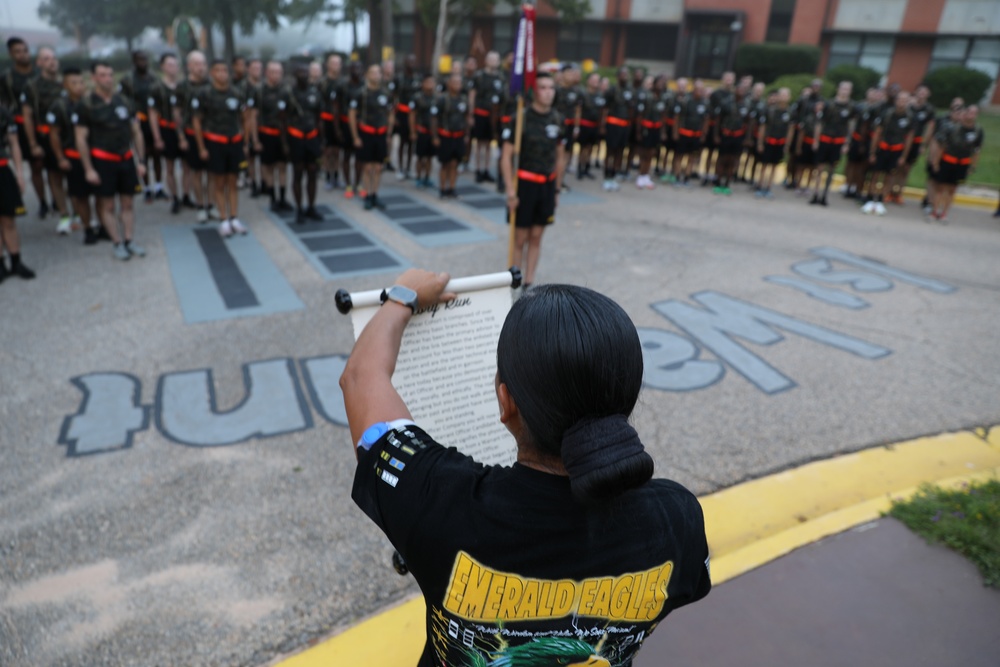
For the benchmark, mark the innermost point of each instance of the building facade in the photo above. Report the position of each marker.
(901, 39)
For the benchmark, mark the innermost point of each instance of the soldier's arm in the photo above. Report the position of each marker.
(83, 145)
(27, 112)
(199, 134)
(55, 140)
(560, 167)
(906, 145)
(138, 142)
(507, 168)
(17, 159)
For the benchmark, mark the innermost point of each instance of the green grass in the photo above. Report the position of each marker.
(966, 520)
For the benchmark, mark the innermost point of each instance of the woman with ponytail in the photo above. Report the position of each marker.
(574, 554)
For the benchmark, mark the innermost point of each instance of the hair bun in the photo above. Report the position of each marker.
(604, 458)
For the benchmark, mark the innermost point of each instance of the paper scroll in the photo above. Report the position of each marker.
(447, 364)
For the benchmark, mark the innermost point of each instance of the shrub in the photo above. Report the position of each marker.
(796, 82)
(863, 78)
(767, 62)
(948, 83)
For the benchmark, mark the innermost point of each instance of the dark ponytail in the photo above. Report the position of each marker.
(572, 361)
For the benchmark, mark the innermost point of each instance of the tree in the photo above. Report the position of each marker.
(948, 83)
(227, 15)
(72, 18)
(332, 12)
(863, 78)
(120, 19)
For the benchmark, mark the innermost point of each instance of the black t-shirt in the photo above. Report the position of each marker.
(620, 102)
(895, 126)
(8, 132)
(513, 568)
(691, 112)
(14, 88)
(40, 95)
(423, 105)
(272, 105)
(452, 112)
(221, 111)
(776, 122)
(164, 99)
(109, 122)
(305, 107)
(372, 106)
(63, 115)
(837, 118)
(541, 136)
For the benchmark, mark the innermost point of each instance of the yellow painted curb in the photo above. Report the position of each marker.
(748, 525)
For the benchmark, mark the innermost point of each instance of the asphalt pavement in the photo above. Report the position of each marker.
(140, 529)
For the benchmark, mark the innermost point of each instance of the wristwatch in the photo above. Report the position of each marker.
(402, 295)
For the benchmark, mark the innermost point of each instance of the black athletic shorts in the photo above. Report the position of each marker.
(808, 156)
(482, 127)
(669, 142)
(22, 140)
(225, 158)
(374, 147)
(914, 153)
(829, 153)
(191, 157)
(587, 136)
(272, 151)
(11, 204)
(346, 142)
(730, 145)
(649, 137)
(687, 145)
(886, 160)
(147, 135)
(330, 133)
(425, 145)
(118, 177)
(302, 150)
(710, 141)
(171, 150)
(858, 150)
(536, 203)
(773, 153)
(617, 137)
(450, 148)
(951, 174)
(50, 162)
(76, 180)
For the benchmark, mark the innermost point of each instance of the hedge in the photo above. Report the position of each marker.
(948, 83)
(796, 82)
(863, 78)
(767, 62)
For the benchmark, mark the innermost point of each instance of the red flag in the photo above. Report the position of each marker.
(523, 74)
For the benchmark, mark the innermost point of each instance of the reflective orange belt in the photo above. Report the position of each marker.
(189, 131)
(141, 116)
(168, 124)
(110, 157)
(72, 153)
(951, 159)
(299, 134)
(221, 138)
(918, 140)
(422, 129)
(620, 122)
(535, 178)
(671, 121)
(369, 129)
(19, 120)
(688, 133)
(452, 135)
(776, 142)
(587, 123)
(570, 121)
(42, 129)
(269, 131)
(856, 136)
(344, 118)
(327, 116)
(482, 112)
(3, 162)
(825, 139)
(808, 140)
(402, 108)
(733, 133)
(651, 124)
(504, 119)
(891, 147)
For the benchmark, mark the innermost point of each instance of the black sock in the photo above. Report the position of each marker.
(15, 261)
(282, 194)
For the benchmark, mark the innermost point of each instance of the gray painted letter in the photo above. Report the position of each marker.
(322, 375)
(109, 414)
(723, 317)
(885, 270)
(822, 270)
(273, 405)
(834, 297)
(670, 362)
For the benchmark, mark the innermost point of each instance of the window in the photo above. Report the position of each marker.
(461, 41)
(649, 41)
(504, 30)
(779, 24)
(874, 51)
(979, 53)
(402, 35)
(579, 41)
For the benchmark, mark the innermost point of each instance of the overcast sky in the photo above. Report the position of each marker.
(21, 14)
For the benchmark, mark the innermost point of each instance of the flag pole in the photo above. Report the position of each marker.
(512, 212)
(524, 72)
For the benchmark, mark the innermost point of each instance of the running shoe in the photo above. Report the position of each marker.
(226, 229)
(64, 227)
(238, 227)
(135, 249)
(121, 252)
